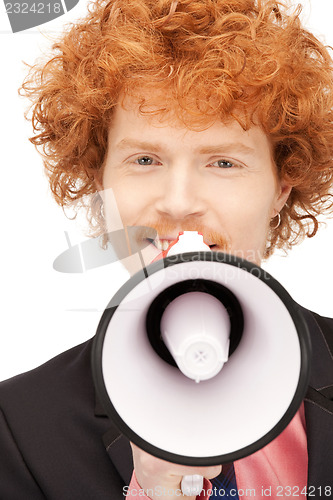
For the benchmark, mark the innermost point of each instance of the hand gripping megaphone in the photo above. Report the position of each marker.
(203, 359)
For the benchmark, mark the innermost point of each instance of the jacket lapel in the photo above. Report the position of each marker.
(119, 450)
(319, 405)
(117, 446)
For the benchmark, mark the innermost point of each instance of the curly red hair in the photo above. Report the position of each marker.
(198, 60)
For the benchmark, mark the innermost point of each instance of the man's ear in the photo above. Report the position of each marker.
(282, 196)
(98, 182)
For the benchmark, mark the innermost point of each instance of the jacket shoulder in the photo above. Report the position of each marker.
(325, 326)
(57, 374)
(51, 434)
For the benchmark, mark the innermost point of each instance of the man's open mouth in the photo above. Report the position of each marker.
(163, 244)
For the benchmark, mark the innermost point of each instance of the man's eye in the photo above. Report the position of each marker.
(224, 164)
(144, 160)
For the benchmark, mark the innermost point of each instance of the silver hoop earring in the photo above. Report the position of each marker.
(102, 210)
(278, 221)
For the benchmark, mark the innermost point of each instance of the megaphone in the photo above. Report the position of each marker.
(202, 360)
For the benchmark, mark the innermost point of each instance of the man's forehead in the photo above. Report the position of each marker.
(147, 111)
(130, 124)
(162, 107)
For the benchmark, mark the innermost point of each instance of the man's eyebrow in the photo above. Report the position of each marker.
(128, 143)
(224, 148)
(228, 147)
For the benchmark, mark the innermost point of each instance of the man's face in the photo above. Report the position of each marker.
(221, 181)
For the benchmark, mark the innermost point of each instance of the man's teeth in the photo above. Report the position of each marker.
(162, 244)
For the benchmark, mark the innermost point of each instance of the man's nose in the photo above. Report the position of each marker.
(182, 194)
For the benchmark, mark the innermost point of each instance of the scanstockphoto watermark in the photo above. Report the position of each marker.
(162, 492)
(123, 243)
(26, 14)
(214, 265)
(260, 492)
(235, 256)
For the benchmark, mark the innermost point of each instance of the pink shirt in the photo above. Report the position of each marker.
(278, 470)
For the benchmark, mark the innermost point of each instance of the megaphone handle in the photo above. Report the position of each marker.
(192, 485)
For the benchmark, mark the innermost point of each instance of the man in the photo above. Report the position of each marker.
(207, 115)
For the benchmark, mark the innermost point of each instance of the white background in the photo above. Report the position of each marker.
(44, 312)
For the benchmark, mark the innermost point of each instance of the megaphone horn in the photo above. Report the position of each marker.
(204, 361)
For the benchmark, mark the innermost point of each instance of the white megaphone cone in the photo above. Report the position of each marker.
(195, 327)
(202, 360)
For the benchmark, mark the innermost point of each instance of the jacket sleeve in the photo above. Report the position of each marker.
(16, 480)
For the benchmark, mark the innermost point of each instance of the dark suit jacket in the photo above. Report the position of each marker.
(57, 443)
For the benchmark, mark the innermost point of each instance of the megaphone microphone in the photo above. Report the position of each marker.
(218, 356)
(194, 325)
